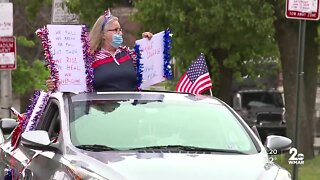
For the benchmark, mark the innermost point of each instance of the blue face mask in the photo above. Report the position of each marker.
(117, 40)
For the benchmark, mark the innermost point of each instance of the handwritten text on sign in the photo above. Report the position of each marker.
(152, 60)
(68, 56)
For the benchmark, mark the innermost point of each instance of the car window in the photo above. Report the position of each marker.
(262, 99)
(126, 125)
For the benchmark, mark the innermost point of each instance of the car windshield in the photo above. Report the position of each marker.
(132, 124)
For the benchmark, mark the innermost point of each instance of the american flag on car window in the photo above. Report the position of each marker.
(196, 79)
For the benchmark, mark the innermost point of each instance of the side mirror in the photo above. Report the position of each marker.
(38, 140)
(236, 102)
(278, 143)
(7, 125)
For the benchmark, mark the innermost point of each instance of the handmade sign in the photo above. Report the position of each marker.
(66, 52)
(153, 59)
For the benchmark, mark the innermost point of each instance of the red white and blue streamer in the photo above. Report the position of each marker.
(166, 54)
(88, 58)
(139, 65)
(30, 119)
(39, 102)
(46, 44)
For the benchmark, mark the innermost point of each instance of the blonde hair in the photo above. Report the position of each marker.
(96, 32)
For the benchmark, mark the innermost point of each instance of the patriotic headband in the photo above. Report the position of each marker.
(107, 16)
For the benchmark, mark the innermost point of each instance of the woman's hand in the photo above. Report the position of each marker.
(50, 84)
(147, 35)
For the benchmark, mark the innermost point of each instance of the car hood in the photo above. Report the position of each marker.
(146, 166)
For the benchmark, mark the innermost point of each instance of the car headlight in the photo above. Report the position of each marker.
(283, 175)
(81, 173)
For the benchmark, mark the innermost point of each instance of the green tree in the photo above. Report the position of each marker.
(228, 32)
(30, 73)
(28, 77)
(287, 35)
(89, 10)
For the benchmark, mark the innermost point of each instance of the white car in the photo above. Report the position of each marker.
(141, 136)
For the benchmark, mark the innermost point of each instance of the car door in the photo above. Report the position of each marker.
(36, 164)
(50, 122)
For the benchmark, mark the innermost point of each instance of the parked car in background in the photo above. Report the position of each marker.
(262, 108)
(141, 136)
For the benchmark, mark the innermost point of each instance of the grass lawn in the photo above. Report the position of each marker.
(310, 170)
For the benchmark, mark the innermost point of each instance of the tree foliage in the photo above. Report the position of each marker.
(228, 32)
(31, 72)
(90, 10)
(28, 77)
(210, 24)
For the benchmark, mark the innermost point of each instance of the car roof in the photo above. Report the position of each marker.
(144, 95)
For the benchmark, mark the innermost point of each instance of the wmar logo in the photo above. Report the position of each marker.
(295, 158)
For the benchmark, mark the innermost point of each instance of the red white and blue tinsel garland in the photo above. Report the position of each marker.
(39, 102)
(23, 121)
(26, 122)
(46, 44)
(17, 131)
(8, 174)
(30, 109)
(139, 65)
(88, 58)
(166, 54)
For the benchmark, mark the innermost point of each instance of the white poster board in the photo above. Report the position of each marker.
(152, 59)
(67, 52)
(6, 19)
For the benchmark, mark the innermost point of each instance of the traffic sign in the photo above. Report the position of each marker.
(302, 9)
(6, 20)
(7, 53)
(61, 14)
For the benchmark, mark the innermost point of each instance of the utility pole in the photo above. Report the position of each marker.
(6, 88)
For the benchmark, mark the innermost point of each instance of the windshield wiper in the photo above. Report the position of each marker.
(96, 147)
(187, 148)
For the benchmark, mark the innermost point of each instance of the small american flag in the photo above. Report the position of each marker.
(197, 79)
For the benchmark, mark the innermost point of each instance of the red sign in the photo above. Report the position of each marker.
(7, 53)
(302, 9)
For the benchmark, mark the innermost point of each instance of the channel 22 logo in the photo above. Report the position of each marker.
(295, 158)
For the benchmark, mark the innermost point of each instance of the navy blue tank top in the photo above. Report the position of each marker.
(111, 74)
